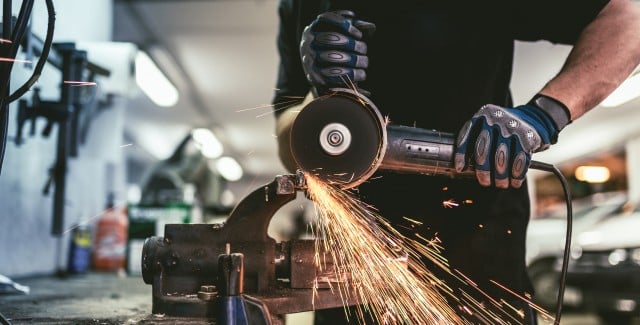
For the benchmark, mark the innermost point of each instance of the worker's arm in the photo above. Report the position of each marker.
(284, 121)
(604, 55)
(499, 142)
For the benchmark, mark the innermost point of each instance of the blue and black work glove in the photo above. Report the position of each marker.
(333, 50)
(498, 142)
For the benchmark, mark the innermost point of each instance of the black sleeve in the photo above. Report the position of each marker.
(558, 21)
(291, 84)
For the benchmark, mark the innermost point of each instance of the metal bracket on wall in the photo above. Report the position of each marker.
(65, 113)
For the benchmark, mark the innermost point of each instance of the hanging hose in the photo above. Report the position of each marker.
(16, 39)
(567, 244)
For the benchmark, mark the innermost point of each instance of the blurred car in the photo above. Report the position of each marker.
(546, 239)
(605, 268)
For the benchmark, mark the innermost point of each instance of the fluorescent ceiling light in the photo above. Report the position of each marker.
(592, 174)
(627, 91)
(229, 168)
(134, 194)
(207, 143)
(153, 82)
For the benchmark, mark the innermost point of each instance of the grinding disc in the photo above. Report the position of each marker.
(340, 138)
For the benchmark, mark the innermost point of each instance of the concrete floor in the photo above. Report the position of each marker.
(109, 298)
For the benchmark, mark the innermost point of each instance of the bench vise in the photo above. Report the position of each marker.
(195, 274)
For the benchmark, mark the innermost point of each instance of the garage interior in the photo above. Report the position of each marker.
(122, 162)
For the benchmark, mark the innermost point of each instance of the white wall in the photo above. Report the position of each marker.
(26, 244)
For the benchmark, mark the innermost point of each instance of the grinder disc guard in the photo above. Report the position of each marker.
(340, 138)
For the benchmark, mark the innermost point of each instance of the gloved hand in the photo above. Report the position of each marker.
(333, 52)
(498, 142)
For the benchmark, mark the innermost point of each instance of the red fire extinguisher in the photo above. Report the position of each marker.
(110, 241)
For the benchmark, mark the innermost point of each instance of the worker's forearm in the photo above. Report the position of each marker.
(605, 54)
(283, 131)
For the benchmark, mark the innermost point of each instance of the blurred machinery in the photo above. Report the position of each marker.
(185, 177)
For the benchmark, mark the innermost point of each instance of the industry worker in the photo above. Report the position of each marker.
(446, 65)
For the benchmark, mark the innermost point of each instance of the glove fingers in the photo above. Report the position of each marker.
(341, 77)
(334, 21)
(367, 28)
(519, 166)
(344, 59)
(463, 154)
(345, 13)
(501, 162)
(337, 41)
(313, 75)
(481, 152)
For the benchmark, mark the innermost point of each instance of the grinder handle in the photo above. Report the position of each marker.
(427, 152)
(420, 151)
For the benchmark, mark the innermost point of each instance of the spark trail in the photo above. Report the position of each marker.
(382, 267)
(382, 270)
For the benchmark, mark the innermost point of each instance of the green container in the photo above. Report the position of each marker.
(147, 221)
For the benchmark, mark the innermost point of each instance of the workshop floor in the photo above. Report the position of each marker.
(93, 298)
(109, 298)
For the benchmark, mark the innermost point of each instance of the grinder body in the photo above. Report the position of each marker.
(420, 151)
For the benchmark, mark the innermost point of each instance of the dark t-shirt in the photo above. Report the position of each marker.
(433, 64)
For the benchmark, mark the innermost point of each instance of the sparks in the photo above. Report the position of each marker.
(80, 83)
(450, 203)
(380, 268)
(254, 108)
(383, 271)
(412, 221)
(534, 306)
(2, 59)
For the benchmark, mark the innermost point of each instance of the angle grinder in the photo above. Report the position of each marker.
(343, 139)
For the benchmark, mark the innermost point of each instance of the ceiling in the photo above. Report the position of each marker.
(221, 54)
(222, 57)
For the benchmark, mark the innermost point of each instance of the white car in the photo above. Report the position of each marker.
(605, 268)
(546, 241)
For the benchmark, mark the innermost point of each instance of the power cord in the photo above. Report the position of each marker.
(16, 38)
(37, 71)
(567, 244)
(4, 320)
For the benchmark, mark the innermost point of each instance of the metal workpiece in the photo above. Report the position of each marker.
(290, 183)
(295, 262)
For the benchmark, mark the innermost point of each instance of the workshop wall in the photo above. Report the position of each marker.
(26, 244)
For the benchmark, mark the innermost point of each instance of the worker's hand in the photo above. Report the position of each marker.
(499, 142)
(333, 52)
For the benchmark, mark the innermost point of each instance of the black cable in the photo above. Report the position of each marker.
(5, 73)
(21, 26)
(43, 56)
(16, 39)
(4, 320)
(567, 244)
